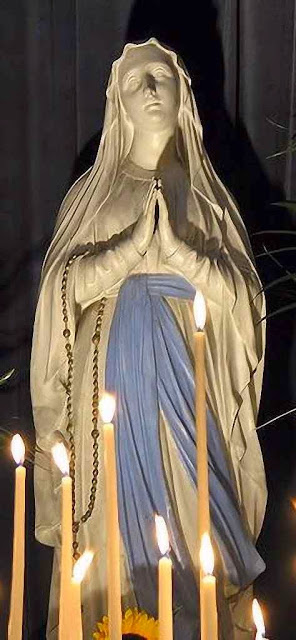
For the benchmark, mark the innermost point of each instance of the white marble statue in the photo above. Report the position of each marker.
(135, 235)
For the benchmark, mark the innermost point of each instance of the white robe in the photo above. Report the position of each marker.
(234, 361)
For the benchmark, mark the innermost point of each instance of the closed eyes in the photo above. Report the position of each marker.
(162, 71)
(132, 81)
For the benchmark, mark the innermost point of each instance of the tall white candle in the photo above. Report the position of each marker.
(79, 570)
(165, 585)
(107, 408)
(208, 604)
(61, 459)
(15, 622)
(203, 515)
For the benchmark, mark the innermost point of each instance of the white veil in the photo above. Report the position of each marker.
(86, 197)
(216, 215)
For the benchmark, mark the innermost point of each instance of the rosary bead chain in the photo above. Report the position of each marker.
(69, 404)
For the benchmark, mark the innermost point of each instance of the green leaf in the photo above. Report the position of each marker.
(287, 307)
(269, 253)
(6, 376)
(291, 149)
(277, 154)
(275, 282)
(286, 204)
(279, 417)
(275, 231)
(277, 124)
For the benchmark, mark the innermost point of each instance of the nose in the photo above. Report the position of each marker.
(149, 84)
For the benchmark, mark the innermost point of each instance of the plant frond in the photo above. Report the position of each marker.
(276, 124)
(6, 376)
(287, 307)
(282, 415)
(286, 204)
(274, 283)
(275, 232)
(273, 251)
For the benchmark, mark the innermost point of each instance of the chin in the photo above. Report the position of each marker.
(157, 123)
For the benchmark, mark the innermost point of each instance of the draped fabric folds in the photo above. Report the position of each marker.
(215, 255)
(149, 368)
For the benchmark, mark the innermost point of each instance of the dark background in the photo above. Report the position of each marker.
(55, 62)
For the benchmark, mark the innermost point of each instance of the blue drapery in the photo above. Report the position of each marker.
(149, 369)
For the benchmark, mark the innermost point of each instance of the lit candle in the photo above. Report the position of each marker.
(165, 595)
(258, 620)
(107, 408)
(79, 571)
(61, 459)
(199, 308)
(15, 623)
(208, 605)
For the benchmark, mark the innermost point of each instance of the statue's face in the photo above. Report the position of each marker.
(149, 89)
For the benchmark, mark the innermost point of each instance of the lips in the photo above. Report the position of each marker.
(155, 103)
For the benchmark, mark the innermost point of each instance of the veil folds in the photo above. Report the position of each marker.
(215, 214)
(86, 197)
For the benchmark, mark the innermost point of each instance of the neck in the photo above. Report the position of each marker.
(153, 150)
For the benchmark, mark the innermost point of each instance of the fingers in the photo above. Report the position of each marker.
(151, 202)
(156, 195)
(163, 210)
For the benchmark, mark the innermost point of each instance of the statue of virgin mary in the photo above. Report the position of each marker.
(135, 236)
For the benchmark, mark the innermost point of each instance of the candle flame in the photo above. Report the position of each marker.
(258, 618)
(60, 457)
(199, 310)
(162, 535)
(18, 449)
(81, 566)
(206, 554)
(107, 407)
(293, 503)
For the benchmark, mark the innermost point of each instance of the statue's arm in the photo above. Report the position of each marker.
(217, 274)
(94, 276)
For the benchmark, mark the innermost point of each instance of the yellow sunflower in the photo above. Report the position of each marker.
(133, 621)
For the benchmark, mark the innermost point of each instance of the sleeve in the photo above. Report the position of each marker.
(233, 295)
(94, 276)
(210, 274)
(89, 279)
(234, 360)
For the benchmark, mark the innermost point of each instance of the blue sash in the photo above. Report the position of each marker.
(149, 369)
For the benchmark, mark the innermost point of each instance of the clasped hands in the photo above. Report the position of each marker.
(145, 226)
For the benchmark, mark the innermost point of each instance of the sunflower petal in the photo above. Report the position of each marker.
(133, 621)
